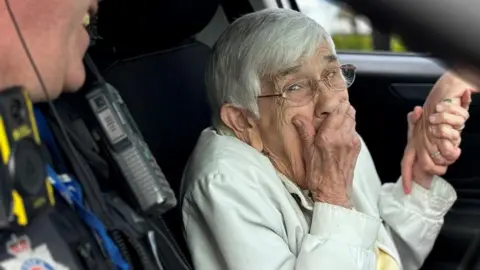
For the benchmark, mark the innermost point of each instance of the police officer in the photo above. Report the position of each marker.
(42, 48)
(44, 42)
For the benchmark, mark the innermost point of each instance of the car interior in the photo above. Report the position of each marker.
(154, 53)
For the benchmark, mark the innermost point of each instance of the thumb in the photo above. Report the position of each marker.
(407, 168)
(412, 119)
(305, 130)
(414, 115)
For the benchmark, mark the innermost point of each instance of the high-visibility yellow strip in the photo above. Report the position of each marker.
(51, 195)
(36, 136)
(4, 144)
(19, 209)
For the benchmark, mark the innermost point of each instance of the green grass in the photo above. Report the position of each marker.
(364, 43)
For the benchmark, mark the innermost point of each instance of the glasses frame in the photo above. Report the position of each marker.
(346, 66)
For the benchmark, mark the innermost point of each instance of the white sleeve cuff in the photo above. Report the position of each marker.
(345, 225)
(432, 203)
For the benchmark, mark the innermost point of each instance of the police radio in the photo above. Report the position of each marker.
(130, 151)
(25, 190)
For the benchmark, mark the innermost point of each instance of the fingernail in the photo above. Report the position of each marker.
(297, 122)
(432, 118)
(440, 108)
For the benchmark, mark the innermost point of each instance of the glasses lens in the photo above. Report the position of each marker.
(342, 78)
(300, 92)
(348, 71)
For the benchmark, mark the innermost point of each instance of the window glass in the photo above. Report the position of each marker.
(348, 30)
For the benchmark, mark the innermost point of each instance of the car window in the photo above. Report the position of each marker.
(350, 32)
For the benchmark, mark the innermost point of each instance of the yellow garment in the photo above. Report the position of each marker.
(385, 261)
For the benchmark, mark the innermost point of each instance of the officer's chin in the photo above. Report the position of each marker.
(71, 84)
(74, 81)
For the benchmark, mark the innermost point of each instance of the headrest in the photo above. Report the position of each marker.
(156, 24)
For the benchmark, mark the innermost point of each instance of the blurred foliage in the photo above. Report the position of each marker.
(359, 42)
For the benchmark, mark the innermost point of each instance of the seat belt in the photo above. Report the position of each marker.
(69, 188)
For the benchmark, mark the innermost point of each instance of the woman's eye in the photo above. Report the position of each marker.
(294, 87)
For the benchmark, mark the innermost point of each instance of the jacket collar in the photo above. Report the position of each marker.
(302, 196)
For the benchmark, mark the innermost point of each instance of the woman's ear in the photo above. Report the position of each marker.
(235, 118)
(242, 124)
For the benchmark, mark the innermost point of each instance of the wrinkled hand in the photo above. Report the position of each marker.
(330, 155)
(424, 165)
(434, 139)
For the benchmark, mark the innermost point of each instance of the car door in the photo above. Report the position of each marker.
(390, 81)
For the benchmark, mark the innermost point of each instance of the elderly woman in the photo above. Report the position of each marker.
(283, 181)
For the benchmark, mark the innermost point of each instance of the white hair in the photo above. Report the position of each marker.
(254, 46)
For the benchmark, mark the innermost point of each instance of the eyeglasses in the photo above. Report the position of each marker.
(301, 92)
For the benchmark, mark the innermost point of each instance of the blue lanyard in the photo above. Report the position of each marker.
(49, 140)
(71, 191)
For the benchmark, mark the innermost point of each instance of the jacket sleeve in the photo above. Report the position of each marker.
(415, 219)
(231, 224)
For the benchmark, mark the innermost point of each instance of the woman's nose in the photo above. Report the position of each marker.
(325, 104)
